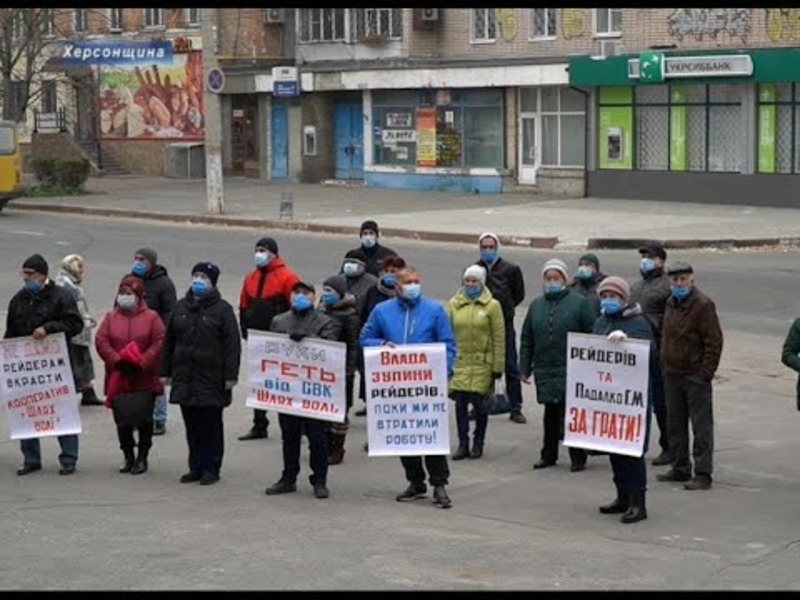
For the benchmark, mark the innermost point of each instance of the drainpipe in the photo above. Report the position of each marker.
(586, 139)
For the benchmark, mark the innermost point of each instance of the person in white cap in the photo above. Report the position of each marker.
(504, 279)
(479, 328)
(543, 353)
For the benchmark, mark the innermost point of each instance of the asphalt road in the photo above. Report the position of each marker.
(510, 528)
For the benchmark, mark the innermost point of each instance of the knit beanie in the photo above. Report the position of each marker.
(370, 226)
(209, 269)
(150, 254)
(36, 263)
(590, 258)
(556, 264)
(617, 285)
(476, 271)
(268, 244)
(337, 283)
(489, 234)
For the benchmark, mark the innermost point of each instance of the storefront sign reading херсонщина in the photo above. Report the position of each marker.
(655, 67)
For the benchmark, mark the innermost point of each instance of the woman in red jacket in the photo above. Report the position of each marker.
(129, 341)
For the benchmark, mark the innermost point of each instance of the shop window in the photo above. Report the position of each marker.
(529, 100)
(563, 125)
(607, 22)
(484, 24)
(652, 127)
(778, 131)
(322, 24)
(696, 138)
(544, 24)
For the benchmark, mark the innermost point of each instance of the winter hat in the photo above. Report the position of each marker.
(476, 271)
(150, 254)
(590, 258)
(555, 264)
(73, 264)
(337, 283)
(654, 249)
(268, 244)
(617, 285)
(369, 226)
(36, 263)
(209, 269)
(135, 283)
(304, 285)
(490, 235)
(680, 268)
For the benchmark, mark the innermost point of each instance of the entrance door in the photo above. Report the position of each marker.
(348, 124)
(280, 142)
(244, 134)
(528, 148)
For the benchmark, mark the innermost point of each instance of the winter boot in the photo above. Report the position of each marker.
(89, 398)
(636, 508)
(462, 452)
(129, 460)
(336, 449)
(620, 505)
(141, 461)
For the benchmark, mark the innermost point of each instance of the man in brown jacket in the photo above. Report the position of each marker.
(691, 347)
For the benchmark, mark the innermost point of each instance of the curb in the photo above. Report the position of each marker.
(430, 236)
(720, 244)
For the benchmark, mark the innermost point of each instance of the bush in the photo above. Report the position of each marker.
(72, 174)
(45, 172)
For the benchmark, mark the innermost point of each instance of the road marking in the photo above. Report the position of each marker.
(21, 232)
(62, 243)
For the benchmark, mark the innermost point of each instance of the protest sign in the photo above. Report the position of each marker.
(407, 406)
(37, 387)
(607, 394)
(305, 379)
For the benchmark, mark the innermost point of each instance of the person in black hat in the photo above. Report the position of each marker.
(201, 363)
(160, 296)
(40, 309)
(691, 350)
(587, 279)
(266, 293)
(651, 292)
(299, 323)
(371, 252)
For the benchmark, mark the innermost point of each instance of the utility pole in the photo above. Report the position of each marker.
(213, 117)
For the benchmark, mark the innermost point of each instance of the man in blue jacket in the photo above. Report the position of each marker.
(411, 319)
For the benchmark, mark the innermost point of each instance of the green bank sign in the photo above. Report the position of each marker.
(656, 67)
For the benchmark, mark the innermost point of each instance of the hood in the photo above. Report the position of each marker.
(64, 274)
(275, 264)
(634, 309)
(158, 271)
(195, 303)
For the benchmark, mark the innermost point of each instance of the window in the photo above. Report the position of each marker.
(8, 140)
(194, 17)
(18, 97)
(380, 22)
(154, 17)
(778, 128)
(484, 24)
(544, 23)
(563, 124)
(47, 24)
(607, 22)
(18, 28)
(80, 22)
(115, 19)
(49, 96)
(322, 24)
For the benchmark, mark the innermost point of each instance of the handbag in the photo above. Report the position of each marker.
(497, 403)
(134, 409)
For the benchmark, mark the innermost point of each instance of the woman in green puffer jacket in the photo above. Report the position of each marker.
(477, 320)
(791, 353)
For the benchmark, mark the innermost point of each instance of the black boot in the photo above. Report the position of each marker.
(141, 461)
(462, 452)
(620, 505)
(129, 460)
(636, 508)
(477, 449)
(89, 398)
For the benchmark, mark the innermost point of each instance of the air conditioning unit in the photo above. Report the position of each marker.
(274, 15)
(429, 15)
(610, 48)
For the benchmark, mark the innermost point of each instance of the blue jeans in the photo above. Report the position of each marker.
(513, 385)
(160, 409)
(32, 450)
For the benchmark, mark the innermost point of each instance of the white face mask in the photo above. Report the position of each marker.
(350, 269)
(126, 301)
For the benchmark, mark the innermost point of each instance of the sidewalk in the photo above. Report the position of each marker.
(518, 219)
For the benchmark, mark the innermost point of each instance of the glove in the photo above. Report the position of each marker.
(617, 336)
(229, 385)
(296, 336)
(128, 369)
(497, 375)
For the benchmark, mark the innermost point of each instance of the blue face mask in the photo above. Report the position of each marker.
(301, 302)
(551, 288)
(412, 291)
(369, 242)
(610, 306)
(33, 286)
(389, 280)
(140, 269)
(200, 287)
(585, 273)
(489, 256)
(473, 292)
(680, 292)
(261, 259)
(648, 265)
(330, 299)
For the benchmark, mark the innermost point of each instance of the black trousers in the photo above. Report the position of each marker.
(689, 399)
(205, 436)
(292, 430)
(630, 472)
(438, 471)
(260, 420)
(127, 441)
(554, 432)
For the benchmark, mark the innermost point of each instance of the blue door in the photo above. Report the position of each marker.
(280, 143)
(348, 124)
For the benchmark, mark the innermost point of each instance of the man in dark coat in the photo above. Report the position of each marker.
(371, 252)
(201, 362)
(300, 322)
(39, 309)
(504, 280)
(160, 296)
(587, 279)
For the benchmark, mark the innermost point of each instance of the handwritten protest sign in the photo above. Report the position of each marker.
(306, 379)
(407, 406)
(607, 386)
(37, 387)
